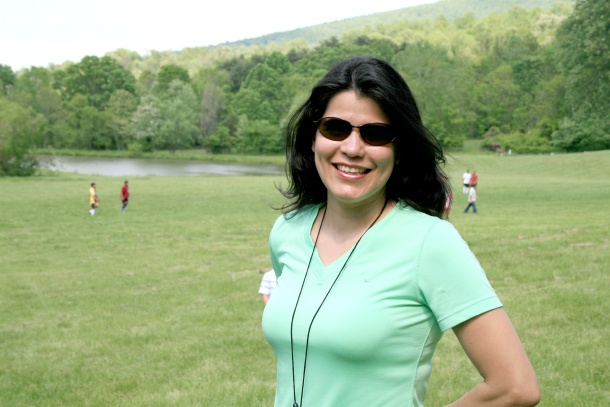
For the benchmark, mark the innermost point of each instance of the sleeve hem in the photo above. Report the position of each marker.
(471, 311)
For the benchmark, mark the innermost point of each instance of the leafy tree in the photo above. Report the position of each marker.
(85, 127)
(262, 94)
(120, 110)
(96, 78)
(215, 75)
(212, 104)
(584, 44)
(515, 47)
(262, 87)
(442, 87)
(87, 88)
(213, 86)
(313, 66)
(278, 62)
(258, 136)
(229, 121)
(548, 107)
(179, 119)
(146, 122)
(125, 57)
(527, 72)
(34, 90)
(254, 105)
(16, 129)
(294, 55)
(497, 98)
(582, 133)
(145, 83)
(466, 21)
(239, 67)
(96, 129)
(30, 83)
(169, 73)
(220, 142)
(332, 42)
(7, 79)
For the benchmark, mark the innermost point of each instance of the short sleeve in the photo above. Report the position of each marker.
(451, 281)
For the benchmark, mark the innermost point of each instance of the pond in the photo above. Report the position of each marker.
(123, 167)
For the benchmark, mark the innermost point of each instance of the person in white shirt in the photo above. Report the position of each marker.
(267, 285)
(466, 181)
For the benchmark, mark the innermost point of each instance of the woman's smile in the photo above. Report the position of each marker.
(351, 170)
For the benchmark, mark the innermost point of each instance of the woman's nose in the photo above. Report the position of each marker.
(353, 145)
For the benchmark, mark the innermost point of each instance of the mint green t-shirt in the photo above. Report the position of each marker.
(410, 278)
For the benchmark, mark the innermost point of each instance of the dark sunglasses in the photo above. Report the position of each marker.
(374, 134)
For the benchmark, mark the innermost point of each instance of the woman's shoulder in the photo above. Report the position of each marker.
(296, 217)
(407, 213)
(410, 220)
(434, 237)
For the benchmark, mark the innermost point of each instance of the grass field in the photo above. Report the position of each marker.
(158, 306)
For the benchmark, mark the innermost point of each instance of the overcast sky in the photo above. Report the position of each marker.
(40, 32)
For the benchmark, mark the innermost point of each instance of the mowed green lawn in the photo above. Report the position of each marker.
(158, 306)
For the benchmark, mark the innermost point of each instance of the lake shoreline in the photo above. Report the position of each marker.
(129, 167)
(186, 155)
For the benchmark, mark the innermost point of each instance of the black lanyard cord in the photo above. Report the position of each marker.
(294, 392)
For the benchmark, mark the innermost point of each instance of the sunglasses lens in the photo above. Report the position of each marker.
(335, 129)
(376, 134)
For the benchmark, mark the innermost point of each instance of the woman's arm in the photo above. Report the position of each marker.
(493, 346)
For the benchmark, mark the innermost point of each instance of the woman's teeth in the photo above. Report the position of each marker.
(351, 169)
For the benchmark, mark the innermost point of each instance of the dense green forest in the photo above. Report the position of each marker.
(529, 80)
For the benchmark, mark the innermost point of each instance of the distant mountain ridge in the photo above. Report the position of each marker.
(451, 9)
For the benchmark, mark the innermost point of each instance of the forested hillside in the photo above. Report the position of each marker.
(449, 9)
(527, 80)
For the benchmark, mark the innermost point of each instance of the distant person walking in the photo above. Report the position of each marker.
(466, 181)
(472, 199)
(124, 195)
(267, 285)
(94, 200)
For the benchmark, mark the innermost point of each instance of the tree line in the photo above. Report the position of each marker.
(527, 80)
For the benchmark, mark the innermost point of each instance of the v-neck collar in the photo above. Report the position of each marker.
(317, 267)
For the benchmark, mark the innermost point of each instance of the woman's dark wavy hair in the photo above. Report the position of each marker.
(417, 179)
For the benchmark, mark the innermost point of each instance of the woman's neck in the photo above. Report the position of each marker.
(349, 220)
(343, 227)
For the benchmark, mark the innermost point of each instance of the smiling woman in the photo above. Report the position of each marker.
(352, 170)
(368, 274)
